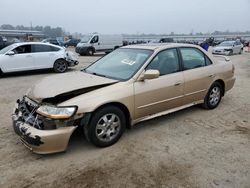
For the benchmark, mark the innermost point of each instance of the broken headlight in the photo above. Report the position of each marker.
(57, 112)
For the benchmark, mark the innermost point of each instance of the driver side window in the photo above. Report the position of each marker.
(22, 49)
(166, 62)
(95, 39)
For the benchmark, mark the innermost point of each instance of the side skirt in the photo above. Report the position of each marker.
(166, 112)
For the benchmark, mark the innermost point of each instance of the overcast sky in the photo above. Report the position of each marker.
(129, 16)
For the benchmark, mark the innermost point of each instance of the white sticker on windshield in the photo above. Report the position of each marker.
(128, 61)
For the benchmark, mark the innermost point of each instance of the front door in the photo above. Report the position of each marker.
(22, 59)
(163, 93)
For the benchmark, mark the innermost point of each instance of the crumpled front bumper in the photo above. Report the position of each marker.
(71, 59)
(41, 141)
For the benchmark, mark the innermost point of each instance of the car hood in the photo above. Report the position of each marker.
(222, 47)
(61, 87)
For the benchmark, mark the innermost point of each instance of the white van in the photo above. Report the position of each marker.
(98, 43)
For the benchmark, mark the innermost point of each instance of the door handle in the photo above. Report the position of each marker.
(177, 84)
(212, 75)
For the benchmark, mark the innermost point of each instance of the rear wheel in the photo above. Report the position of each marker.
(60, 66)
(241, 50)
(213, 96)
(106, 126)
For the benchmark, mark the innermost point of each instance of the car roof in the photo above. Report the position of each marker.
(43, 43)
(159, 46)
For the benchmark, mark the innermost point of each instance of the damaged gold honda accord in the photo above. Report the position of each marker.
(129, 85)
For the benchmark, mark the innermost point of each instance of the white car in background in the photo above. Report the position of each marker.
(228, 48)
(35, 55)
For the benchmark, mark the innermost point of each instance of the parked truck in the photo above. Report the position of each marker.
(93, 43)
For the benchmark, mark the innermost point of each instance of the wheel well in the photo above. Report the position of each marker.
(123, 108)
(59, 59)
(92, 48)
(221, 82)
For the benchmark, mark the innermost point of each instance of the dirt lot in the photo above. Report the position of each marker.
(190, 148)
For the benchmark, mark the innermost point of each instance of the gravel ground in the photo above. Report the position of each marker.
(190, 148)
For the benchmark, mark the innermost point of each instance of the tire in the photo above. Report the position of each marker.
(241, 50)
(60, 66)
(230, 53)
(101, 131)
(90, 52)
(213, 97)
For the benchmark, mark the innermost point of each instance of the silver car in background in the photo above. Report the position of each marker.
(228, 48)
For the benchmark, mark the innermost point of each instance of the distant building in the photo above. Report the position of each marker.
(22, 35)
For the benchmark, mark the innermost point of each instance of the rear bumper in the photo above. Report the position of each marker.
(72, 63)
(41, 141)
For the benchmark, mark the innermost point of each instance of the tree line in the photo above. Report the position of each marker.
(47, 30)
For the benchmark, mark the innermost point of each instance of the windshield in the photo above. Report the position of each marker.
(227, 43)
(86, 38)
(6, 49)
(121, 64)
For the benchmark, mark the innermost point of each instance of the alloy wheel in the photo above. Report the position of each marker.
(108, 127)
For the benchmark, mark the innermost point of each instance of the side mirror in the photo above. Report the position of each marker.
(149, 74)
(10, 53)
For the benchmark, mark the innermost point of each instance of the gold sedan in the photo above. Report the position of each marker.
(129, 85)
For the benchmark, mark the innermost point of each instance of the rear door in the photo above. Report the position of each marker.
(163, 93)
(22, 59)
(44, 55)
(198, 74)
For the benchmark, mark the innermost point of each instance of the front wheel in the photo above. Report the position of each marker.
(106, 126)
(90, 52)
(60, 66)
(213, 96)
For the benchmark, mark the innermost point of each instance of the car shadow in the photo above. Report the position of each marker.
(78, 142)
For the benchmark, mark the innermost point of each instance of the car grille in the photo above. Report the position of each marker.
(28, 109)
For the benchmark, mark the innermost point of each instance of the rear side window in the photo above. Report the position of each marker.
(208, 61)
(54, 49)
(192, 58)
(38, 48)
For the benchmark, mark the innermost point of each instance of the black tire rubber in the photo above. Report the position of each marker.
(55, 67)
(230, 53)
(241, 50)
(206, 103)
(90, 52)
(90, 129)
